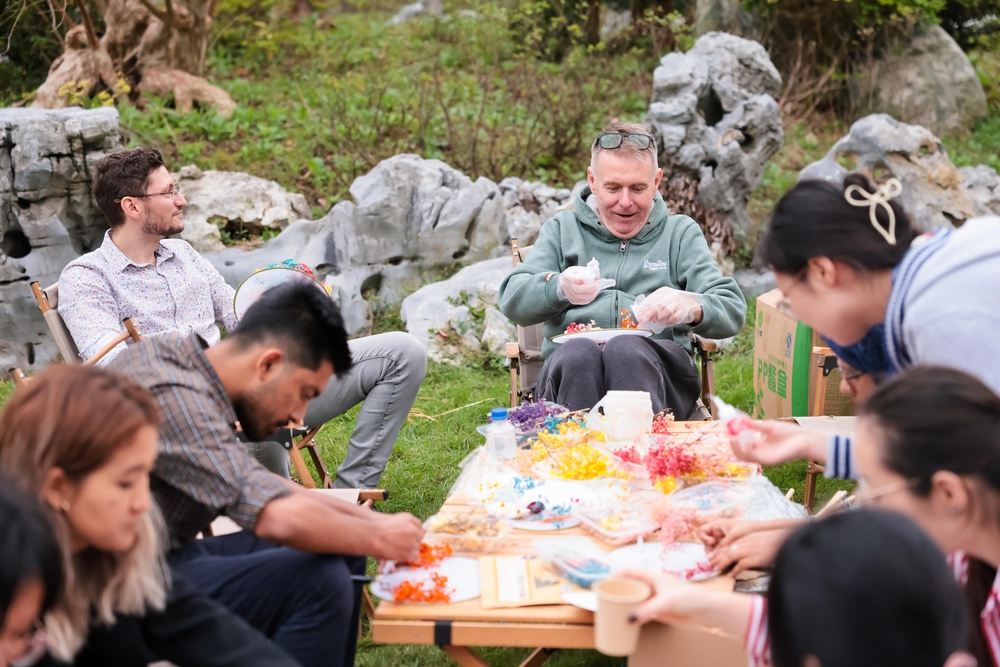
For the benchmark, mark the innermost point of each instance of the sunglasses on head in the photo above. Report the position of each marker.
(611, 140)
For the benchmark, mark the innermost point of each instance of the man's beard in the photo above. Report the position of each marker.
(251, 410)
(162, 226)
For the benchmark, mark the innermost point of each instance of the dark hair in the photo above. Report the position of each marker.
(28, 549)
(863, 588)
(942, 419)
(122, 175)
(814, 219)
(303, 321)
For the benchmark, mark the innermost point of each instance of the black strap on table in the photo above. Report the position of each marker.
(442, 633)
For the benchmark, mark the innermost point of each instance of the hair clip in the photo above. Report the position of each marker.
(883, 193)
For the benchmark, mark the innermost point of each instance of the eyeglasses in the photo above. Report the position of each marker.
(611, 140)
(848, 375)
(173, 192)
(27, 648)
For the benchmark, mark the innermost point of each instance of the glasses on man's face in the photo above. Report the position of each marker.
(26, 648)
(171, 193)
(849, 375)
(611, 140)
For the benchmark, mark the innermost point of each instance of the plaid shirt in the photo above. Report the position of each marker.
(202, 470)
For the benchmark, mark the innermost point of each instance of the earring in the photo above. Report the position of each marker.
(65, 506)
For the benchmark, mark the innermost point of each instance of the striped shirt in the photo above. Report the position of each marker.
(757, 642)
(989, 617)
(202, 470)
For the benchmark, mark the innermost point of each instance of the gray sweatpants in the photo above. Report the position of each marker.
(580, 372)
(385, 378)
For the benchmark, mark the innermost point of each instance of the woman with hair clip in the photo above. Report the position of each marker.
(927, 446)
(31, 576)
(83, 441)
(845, 258)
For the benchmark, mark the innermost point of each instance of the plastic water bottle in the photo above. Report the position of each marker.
(501, 438)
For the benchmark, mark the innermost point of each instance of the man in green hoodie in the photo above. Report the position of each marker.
(621, 221)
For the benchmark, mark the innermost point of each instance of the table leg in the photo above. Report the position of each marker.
(464, 656)
(537, 657)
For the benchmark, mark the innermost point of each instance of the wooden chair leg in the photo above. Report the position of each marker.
(537, 657)
(465, 656)
(813, 470)
(513, 357)
(300, 467)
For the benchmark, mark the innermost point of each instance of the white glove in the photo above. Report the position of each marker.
(666, 307)
(580, 284)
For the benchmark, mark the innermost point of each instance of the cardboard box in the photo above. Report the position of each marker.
(785, 368)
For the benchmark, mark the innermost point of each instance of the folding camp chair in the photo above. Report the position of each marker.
(827, 362)
(526, 358)
(48, 301)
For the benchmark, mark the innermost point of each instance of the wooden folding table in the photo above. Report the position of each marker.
(457, 627)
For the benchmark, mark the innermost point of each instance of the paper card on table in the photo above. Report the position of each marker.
(517, 581)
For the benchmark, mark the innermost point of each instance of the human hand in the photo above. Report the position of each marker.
(754, 549)
(781, 442)
(578, 285)
(667, 307)
(619, 541)
(674, 600)
(399, 537)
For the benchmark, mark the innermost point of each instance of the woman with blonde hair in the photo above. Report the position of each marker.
(83, 440)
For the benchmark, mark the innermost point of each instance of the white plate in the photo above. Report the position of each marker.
(552, 493)
(675, 559)
(462, 573)
(582, 599)
(254, 286)
(601, 335)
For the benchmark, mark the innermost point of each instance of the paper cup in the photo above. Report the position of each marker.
(617, 599)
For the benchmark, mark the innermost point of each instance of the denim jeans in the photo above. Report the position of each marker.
(385, 378)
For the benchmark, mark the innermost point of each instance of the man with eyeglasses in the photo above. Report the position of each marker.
(166, 287)
(620, 220)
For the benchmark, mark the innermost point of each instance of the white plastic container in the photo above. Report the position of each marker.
(501, 436)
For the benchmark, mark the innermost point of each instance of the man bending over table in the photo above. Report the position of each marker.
(622, 221)
(166, 287)
(279, 574)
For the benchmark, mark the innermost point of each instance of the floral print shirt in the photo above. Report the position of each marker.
(182, 293)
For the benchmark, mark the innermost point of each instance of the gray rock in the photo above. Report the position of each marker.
(932, 192)
(234, 198)
(420, 8)
(527, 205)
(408, 207)
(982, 183)
(497, 332)
(754, 283)
(715, 15)
(928, 80)
(615, 23)
(410, 216)
(47, 215)
(440, 314)
(716, 121)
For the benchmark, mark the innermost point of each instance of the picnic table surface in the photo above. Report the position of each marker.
(457, 626)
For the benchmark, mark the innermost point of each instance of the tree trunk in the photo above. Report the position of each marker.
(155, 49)
(593, 27)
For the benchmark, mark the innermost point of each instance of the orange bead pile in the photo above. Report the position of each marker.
(627, 321)
(420, 591)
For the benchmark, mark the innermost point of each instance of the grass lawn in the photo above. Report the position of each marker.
(425, 461)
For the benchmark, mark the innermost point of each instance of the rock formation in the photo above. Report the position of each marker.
(716, 123)
(881, 146)
(47, 215)
(928, 80)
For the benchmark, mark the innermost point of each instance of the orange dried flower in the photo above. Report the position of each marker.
(430, 554)
(436, 590)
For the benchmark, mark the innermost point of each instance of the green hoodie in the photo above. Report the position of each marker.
(670, 250)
